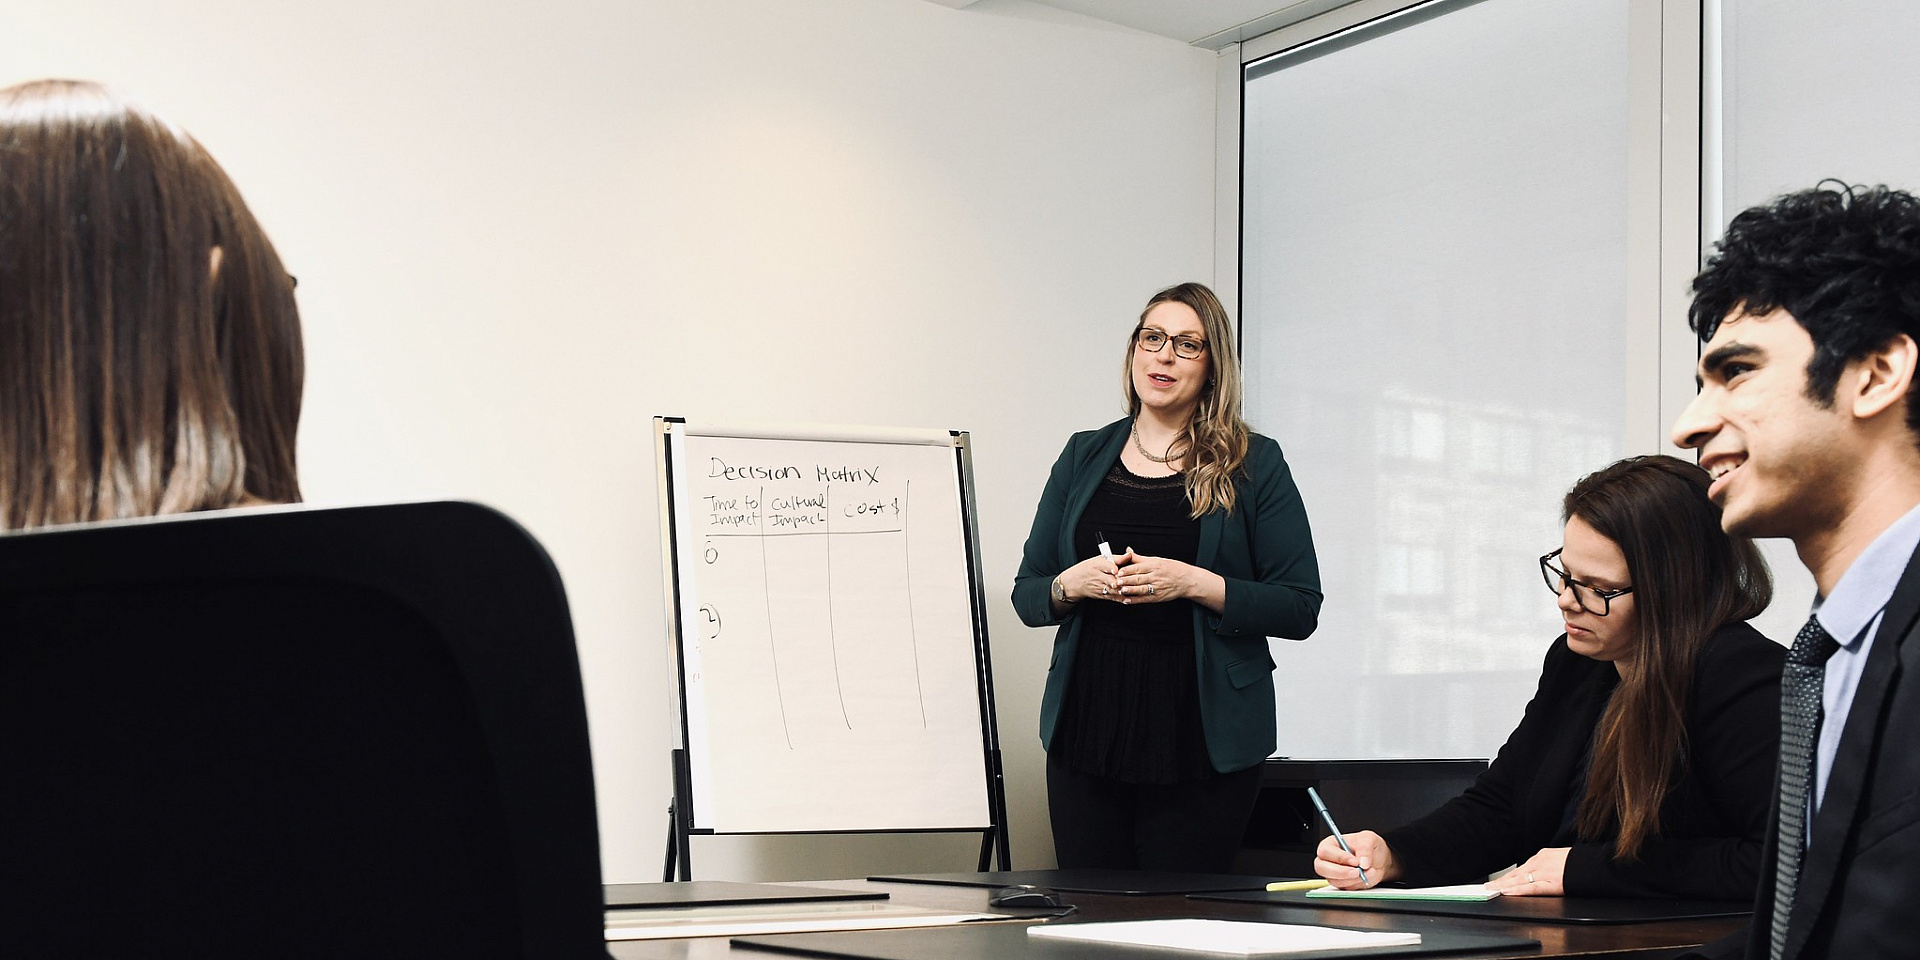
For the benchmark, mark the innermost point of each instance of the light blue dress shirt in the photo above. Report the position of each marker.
(1854, 611)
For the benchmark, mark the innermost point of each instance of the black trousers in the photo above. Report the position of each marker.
(1194, 827)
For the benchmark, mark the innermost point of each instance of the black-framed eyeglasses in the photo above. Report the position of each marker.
(1153, 341)
(1592, 599)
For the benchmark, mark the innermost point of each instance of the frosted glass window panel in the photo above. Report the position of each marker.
(1434, 292)
(1814, 90)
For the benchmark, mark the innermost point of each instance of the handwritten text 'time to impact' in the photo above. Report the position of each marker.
(786, 509)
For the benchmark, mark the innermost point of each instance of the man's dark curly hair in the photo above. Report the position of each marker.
(1843, 260)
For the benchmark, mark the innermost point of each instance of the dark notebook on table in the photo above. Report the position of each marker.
(1010, 942)
(1537, 909)
(1125, 882)
(720, 893)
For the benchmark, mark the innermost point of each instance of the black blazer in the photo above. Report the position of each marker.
(1859, 893)
(1712, 825)
(1264, 550)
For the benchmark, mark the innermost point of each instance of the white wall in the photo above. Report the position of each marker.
(522, 229)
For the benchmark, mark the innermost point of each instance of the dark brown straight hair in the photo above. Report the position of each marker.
(1215, 442)
(1689, 579)
(150, 357)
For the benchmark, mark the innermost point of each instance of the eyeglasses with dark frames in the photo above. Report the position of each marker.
(1153, 341)
(1592, 599)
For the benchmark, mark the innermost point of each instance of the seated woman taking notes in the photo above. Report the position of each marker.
(1644, 764)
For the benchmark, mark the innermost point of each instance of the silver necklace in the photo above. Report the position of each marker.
(1137, 445)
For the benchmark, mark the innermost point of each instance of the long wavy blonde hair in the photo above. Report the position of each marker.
(1214, 443)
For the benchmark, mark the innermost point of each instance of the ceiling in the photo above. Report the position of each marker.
(1204, 23)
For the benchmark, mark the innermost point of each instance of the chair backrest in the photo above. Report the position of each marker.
(293, 732)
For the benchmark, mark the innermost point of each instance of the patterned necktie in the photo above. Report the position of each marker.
(1801, 685)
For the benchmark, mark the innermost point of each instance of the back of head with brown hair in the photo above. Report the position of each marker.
(150, 355)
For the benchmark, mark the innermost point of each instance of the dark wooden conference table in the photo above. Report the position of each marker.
(1640, 940)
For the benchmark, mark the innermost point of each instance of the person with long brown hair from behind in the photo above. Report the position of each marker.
(150, 354)
(1168, 546)
(1643, 764)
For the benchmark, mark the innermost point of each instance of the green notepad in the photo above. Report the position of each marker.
(1459, 893)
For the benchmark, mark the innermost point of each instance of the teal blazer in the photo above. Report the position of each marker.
(1263, 549)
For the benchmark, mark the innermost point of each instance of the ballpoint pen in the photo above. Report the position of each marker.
(1106, 550)
(1314, 795)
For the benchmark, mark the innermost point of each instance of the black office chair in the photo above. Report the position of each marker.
(341, 733)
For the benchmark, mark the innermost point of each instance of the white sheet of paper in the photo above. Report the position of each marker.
(1230, 938)
(660, 923)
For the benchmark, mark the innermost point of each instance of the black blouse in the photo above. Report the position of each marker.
(1132, 707)
(1713, 821)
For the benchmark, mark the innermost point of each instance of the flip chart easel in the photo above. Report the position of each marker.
(828, 635)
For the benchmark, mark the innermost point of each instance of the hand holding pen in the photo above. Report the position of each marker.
(1353, 861)
(1095, 578)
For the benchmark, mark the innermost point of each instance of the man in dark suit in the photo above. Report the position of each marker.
(1807, 419)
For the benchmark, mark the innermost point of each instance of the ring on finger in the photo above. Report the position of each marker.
(1150, 590)
(1530, 878)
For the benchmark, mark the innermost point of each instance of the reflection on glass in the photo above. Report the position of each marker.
(1433, 305)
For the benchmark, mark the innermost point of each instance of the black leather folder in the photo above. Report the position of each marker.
(1124, 882)
(1534, 909)
(721, 893)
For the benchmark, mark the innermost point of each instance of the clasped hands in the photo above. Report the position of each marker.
(1129, 578)
(1543, 875)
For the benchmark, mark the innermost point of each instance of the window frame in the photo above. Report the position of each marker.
(1671, 178)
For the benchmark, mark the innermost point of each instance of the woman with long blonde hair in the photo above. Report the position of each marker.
(1168, 546)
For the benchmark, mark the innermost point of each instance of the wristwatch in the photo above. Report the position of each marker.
(1059, 592)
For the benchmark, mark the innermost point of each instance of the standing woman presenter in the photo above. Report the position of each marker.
(1159, 704)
